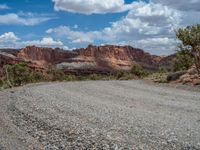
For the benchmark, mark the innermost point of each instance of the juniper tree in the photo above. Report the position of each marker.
(190, 38)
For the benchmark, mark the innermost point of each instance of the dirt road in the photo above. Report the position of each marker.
(99, 115)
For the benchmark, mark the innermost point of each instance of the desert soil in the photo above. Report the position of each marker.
(115, 115)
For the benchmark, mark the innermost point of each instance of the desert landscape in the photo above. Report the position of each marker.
(99, 75)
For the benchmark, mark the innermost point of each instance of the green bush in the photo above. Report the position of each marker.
(159, 77)
(1, 83)
(20, 74)
(120, 74)
(56, 75)
(162, 70)
(128, 76)
(183, 61)
(95, 77)
(70, 78)
(138, 71)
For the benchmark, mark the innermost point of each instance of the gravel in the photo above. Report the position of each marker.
(116, 115)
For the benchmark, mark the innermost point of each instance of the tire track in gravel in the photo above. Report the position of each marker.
(101, 115)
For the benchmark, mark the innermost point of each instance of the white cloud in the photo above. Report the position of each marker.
(10, 40)
(12, 18)
(3, 6)
(91, 6)
(74, 36)
(144, 22)
(184, 5)
(149, 26)
(8, 37)
(46, 42)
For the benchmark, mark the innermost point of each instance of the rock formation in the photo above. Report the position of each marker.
(93, 59)
(7, 58)
(119, 57)
(43, 56)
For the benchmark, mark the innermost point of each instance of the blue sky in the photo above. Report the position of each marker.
(72, 24)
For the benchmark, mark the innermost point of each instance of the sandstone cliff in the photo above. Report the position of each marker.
(8, 58)
(119, 57)
(93, 59)
(43, 56)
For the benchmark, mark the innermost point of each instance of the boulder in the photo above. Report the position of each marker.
(175, 75)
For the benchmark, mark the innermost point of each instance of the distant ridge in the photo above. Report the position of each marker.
(93, 58)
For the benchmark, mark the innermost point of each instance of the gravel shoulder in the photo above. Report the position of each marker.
(100, 115)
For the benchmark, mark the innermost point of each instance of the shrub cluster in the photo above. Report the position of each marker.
(183, 61)
(19, 74)
(138, 71)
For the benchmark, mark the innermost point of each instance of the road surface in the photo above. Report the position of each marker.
(113, 115)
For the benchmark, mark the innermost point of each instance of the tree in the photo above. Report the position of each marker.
(183, 61)
(190, 38)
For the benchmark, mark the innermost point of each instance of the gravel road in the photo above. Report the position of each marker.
(113, 115)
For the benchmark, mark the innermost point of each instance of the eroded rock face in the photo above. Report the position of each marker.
(107, 56)
(119, 57)
(91, 59)
(43, 56)
(6, 58)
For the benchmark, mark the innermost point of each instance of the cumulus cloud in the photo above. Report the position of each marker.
(17, 19)
(91, 6)
(46, 42)
(144, 22)
(184, 5)
(8, 37)
(10, 40)
(149, 25)
(3, 6)
(74, 36)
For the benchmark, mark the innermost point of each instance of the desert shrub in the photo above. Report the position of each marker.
(1, 82)
(20, 74)
(159, 77)
(56, 75)
(183, 61)
(162, 70)
(128, 76)
(138, 71)
(120, 74)
(70, 78)
(91, 77)
(95, 77)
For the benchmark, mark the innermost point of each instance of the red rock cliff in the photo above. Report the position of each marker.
(119, 56)
(44, 55)
(105, 57)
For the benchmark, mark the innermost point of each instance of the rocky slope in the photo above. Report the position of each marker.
(190, 77)
(93, 59)
(7, 58)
